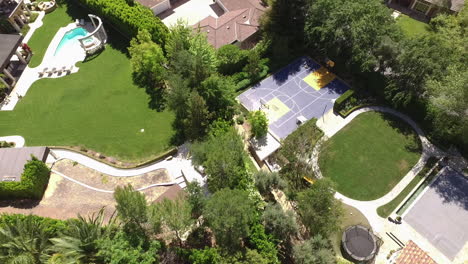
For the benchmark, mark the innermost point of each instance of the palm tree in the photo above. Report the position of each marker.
(78, 243)
(24, 242)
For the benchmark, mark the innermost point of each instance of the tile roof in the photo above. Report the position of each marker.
(412, 254)
(236, 25)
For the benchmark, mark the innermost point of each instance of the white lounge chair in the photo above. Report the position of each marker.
(69, 69)
(82, 22)
(41, 73)
(61, 69)
(77, 22)
(52, 71)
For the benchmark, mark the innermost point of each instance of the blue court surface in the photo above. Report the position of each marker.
(289, 98)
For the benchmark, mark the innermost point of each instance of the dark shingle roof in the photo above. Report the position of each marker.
(8, 45)
(12, 161)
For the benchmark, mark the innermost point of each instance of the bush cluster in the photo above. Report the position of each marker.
(339, 103)
(129, 18)
(33, 182)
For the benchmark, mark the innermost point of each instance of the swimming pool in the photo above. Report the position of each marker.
(71, 38)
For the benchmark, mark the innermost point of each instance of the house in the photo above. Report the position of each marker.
(12, 161)
(412, 254)
(157, 6)
(13, 59)
(430, 8)
(16, 13)
(238, 25)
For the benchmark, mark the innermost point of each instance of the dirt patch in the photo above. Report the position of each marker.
(107, 182)
(64, 199)
(403, 166)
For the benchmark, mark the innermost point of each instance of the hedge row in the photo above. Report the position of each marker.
(129, 17)
(242, 80)
(32, 185)
(341, 100)
(54, 227)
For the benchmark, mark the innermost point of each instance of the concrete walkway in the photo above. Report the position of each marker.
(331, 124)
(18, 140)
(176, 166)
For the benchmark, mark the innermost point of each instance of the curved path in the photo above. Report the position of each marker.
(369, 208)
(110, 191)
(175, 166)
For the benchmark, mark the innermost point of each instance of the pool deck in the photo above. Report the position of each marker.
(30, 75)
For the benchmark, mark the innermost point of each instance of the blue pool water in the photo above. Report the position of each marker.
(71, 37)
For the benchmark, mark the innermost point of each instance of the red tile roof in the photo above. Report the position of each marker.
(412, 254)
(236, 25)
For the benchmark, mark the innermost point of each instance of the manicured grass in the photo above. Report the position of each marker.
(370, 155)
(99, 108)
(41, 38)
(385, 210)
(412, 27)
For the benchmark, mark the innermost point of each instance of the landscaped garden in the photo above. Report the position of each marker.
(99, 107)
(369, 156)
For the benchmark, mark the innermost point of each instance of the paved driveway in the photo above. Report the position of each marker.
(191, 11)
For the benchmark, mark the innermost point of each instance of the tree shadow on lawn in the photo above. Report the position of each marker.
(414, 145)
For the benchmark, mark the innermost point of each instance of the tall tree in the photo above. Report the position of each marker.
(352, 30)
(178, 38)
(78, 243)
(196, 198)
(259, 124)
(282, 225)
(319, 210)
(24, 241)
(224, 159)
(176, 215)
(204, 55)
(131, 208)
(147, 60)
(316, 250)
(229, 214)
(219, 94)
(197, 117)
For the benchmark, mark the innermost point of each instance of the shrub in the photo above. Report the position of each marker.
(259, 123)
(342, 99)
(263, 243)
(5, 144)
(266, 181)
(240, 120)
(33, 182)
(231, 59)
(54, 227)
(129, 18)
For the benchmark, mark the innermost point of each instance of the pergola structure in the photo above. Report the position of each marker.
(95, 40)
(11, 58)
(15, 13)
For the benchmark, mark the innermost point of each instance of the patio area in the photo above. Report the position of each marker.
(190, 11)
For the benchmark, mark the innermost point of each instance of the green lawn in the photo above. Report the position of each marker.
(42, 36)
(385, 210)
(99, 108)
(369, 156)
(412, 27)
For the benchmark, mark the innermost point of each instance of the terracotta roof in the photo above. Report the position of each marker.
(150, 3)
(171, 193)
(412, 254)
(232, 5)
(232, 26)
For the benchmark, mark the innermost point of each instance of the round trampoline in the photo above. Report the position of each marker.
(359, 243)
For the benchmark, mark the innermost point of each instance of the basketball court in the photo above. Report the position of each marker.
(300, 91)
